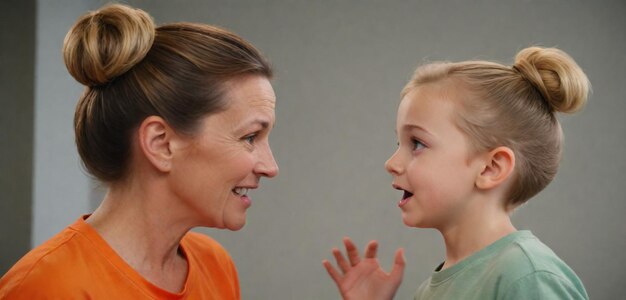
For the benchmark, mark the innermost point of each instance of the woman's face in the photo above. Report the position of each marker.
(214, 170)
(432, 164)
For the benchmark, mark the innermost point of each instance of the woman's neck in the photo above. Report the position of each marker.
(478, 229)
(140, 227)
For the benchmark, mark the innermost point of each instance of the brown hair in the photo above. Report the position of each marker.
(515, 107)
(133, 70)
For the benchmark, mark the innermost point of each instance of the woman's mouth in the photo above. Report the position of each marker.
(405, 198)
(240, 191)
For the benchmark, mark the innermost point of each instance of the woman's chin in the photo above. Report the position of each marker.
(235, 225)
(235, 228)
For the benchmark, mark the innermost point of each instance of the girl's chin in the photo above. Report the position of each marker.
(410, 222)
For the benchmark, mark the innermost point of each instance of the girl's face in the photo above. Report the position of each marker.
(215, 168)
(433, 164)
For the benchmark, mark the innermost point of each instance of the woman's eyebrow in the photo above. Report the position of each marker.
(264, 123)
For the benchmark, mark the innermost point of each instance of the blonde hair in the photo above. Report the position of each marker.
(133, 69)
(515, 107)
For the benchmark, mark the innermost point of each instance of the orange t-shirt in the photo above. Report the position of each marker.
(78, 264)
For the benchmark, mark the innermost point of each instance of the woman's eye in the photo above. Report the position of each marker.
(250, 138)
(417, 145)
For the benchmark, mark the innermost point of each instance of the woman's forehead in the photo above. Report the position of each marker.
(249, 90)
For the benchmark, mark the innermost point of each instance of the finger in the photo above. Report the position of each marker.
(341, 261)
(334, 274)
(352, 251)
(397, 270)
(370, 251)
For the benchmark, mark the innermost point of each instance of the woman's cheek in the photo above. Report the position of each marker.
(244, 165)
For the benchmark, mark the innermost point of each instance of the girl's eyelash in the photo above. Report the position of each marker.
(417, 144)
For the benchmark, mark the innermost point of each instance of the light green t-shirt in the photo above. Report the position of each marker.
(517, 266)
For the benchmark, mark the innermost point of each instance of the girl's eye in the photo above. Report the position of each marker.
(417, 145)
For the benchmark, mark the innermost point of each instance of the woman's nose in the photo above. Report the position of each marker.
(267, 165)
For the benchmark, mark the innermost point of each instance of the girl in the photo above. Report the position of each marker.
(476, 140)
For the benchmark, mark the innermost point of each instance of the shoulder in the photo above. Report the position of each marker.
(204, 247)
(202, 240)
(210, 259)
(34, 271)
(212, 265)
(524, 255)
(545, 285)
(532, 256)
(528, 266)
(199, 241)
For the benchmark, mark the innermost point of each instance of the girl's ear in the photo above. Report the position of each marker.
(155, 138)
(499, 165)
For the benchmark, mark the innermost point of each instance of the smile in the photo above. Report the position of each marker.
(240, 191)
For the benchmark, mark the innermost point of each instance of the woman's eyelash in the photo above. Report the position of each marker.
(250, 138)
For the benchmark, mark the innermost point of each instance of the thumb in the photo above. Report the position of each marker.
(398, 266)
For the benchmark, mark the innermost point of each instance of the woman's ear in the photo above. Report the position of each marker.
(499, 165)
(155, 137)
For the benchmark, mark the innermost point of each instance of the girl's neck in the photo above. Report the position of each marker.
(475, 232)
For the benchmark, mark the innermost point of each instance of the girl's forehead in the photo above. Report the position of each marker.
(429, 96)
(427, 107)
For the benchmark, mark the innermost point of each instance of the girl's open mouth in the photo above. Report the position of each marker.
(405, 198)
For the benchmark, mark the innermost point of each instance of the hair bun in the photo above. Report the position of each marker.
(106, 43)
(556, 75)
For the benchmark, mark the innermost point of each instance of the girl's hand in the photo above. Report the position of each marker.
(362, 279)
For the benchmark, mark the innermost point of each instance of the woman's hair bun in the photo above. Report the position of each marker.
(556, 76)
(106, 43)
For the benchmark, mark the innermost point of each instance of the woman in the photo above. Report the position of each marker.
(175, 120)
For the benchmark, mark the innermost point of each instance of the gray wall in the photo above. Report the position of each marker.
(61, 190)
(17, 35)
(340, 67)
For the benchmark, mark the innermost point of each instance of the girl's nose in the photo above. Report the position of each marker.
(392, 165)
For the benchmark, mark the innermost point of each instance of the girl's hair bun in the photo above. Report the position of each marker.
(106, 43)
(556, 76)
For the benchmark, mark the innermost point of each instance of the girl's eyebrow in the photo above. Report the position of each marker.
(409, 127)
